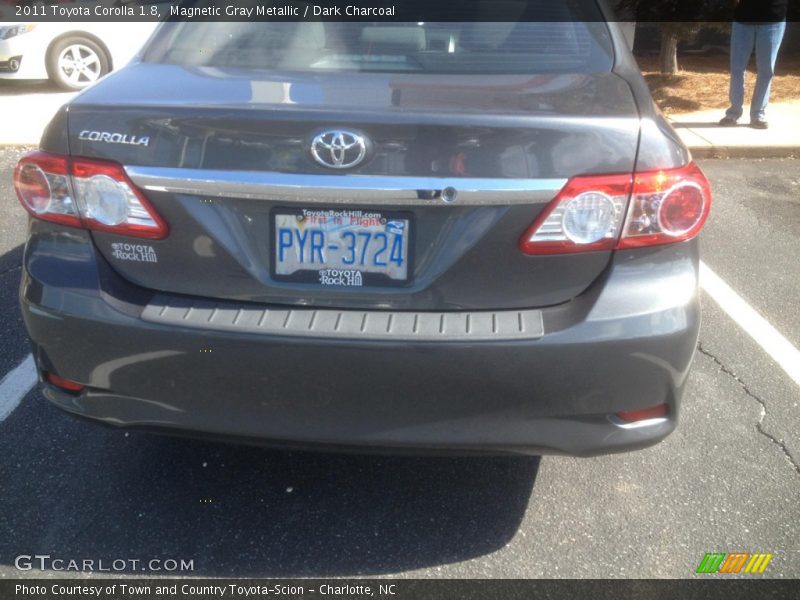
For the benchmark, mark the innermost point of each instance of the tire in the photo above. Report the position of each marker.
(75, 62)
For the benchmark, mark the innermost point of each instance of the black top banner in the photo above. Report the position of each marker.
(757, 11)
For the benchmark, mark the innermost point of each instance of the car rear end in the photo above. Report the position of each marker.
(429, 236)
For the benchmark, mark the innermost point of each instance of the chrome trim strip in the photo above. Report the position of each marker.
(327, 323)
(345, 189)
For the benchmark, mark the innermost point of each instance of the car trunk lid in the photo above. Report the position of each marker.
(465, 163)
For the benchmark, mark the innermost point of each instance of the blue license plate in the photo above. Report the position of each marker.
(341, 247)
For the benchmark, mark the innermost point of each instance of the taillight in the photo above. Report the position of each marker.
(621, 211)
(666, 206)
(87, 193)
(43, 187)
(586, 215)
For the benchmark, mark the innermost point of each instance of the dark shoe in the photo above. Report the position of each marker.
(759, 124)
(727, 122)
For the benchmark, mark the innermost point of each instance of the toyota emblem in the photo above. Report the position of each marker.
(339, 149)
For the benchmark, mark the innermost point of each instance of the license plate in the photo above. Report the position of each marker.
(341, 247)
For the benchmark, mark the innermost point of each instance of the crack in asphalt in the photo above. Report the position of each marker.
(760, 423)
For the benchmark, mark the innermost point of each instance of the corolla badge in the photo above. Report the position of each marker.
(339, 149)
(110, 137)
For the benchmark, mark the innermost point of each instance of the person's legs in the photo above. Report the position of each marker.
(768, 41)
(743, 38)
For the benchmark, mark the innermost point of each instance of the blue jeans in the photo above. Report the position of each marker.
(766, 38)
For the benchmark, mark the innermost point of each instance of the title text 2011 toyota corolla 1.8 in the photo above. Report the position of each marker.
(403, 236)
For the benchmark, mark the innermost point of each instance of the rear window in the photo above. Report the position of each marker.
(520, 47)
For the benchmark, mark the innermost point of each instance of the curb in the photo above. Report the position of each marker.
(745, 151)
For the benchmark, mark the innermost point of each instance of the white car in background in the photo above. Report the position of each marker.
(72, 55)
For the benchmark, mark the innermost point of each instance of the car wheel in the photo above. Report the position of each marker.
(76, 62)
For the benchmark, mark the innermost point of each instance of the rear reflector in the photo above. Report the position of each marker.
(87, 193)
(646, 414)
(64, 384)
(621, 211)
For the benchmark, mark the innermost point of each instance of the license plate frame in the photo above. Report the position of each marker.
(344, 276)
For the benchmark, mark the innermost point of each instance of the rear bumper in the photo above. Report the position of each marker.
(625, 344)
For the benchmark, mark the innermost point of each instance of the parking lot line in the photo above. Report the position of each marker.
(15, 385)
(757, 327)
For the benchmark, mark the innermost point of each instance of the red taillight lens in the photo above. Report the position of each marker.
(681, 210)
(621, 211)
(85, 193)
(43, 187)
(34, 188)
(666, 207)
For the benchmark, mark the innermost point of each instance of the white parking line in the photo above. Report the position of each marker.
(15, 385)
(757, 327)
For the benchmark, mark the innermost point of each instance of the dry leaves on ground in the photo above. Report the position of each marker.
(703, 83)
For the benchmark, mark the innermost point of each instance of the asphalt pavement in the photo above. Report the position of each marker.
(726, 481)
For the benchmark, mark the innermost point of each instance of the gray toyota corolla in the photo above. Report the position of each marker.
(428, 236)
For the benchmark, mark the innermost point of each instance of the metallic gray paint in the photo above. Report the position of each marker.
(221, 251)
(243, 126)
(619, 329)
(541, 127)
(626, 343)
